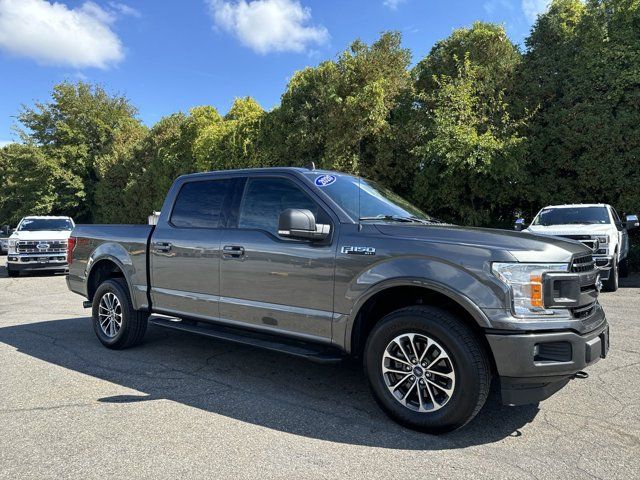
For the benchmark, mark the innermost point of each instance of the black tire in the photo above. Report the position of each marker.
(468, 358)
(624, 268)
(13, 273)
(133, 323)
(611, 283)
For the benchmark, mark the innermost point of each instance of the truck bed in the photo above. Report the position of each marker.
(126, 245)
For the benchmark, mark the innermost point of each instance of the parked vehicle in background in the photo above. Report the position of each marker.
(39, 243)
(598, 226)
(5, 232)
(323, 265)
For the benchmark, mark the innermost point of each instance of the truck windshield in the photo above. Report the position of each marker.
(367, 200)
(569, 216)
(38, 224)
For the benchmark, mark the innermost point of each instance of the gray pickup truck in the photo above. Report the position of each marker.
(325, 265)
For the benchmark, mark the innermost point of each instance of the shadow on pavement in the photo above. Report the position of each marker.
(272, 390)
(632, 281)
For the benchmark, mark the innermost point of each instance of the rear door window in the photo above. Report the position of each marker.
(200, 204)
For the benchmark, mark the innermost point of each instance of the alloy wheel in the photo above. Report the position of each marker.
(418, 372)
(110, 314)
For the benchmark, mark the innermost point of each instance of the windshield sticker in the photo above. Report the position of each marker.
(325, 180)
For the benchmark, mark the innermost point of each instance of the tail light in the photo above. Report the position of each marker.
(71, 245)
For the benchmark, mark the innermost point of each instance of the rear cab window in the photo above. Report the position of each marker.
(202, 204)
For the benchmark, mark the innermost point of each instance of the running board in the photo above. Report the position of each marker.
(309, 351)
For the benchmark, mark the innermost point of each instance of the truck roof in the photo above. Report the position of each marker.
(574, 205)
(56, 217)
(302, 170)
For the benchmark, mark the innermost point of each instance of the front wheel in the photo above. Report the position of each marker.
(116, 323)
(13, 273)
(427, 369)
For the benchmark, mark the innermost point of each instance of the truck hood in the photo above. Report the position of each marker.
(41, 235)
(524, 247)
(572, 229)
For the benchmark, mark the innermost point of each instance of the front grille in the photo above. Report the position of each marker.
(585, 239)
(42, 246)
(584, 263)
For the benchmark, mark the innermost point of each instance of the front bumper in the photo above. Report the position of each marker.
(37, 262)
(604, 264)
(533, 366)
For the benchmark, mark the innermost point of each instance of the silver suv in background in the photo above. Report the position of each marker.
(39, 243)
(598, 226)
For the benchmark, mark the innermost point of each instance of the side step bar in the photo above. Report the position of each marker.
(309, 351)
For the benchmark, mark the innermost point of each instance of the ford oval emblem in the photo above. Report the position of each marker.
(42, 246)
(324, 180)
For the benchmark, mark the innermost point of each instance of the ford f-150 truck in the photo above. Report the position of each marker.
(598, 226)
(323, 265)
(39, 243)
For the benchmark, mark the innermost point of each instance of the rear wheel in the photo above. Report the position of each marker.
(611, 284)
(427, 369)
(116, 323)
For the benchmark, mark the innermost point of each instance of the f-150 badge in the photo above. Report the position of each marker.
(358, 250)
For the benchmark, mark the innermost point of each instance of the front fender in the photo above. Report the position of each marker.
(471, 288)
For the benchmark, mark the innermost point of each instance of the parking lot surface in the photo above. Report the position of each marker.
(182, 406)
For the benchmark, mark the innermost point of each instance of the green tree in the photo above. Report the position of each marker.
(488, 48)
(231, 142)
(471, 155)
(76, 127)
(115, 170)
(581, 74)
(33, 183)
(336, 113)
(469, 145)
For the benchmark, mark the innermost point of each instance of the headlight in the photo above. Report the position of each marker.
(525, 282)
(603, 240)
(13, 246)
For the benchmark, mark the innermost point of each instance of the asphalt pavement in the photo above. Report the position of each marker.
(183, 406)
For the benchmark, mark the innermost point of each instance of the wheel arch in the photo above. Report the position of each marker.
(398, 293)
(105, 268)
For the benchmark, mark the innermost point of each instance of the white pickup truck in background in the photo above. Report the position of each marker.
(39, 243)
(598, 226)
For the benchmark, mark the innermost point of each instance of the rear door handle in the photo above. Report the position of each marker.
(232, 251)
(162, 247)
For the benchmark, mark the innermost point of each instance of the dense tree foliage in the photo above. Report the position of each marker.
(581, 74)
(476, 132)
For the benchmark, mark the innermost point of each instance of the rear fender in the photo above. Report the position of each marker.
(135, 279)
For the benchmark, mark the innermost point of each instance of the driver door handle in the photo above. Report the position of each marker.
(232, 251)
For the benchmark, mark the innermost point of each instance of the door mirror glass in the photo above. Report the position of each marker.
(519, 225)
(301, 224)
(632, 222)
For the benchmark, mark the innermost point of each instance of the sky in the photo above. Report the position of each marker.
(170, 55)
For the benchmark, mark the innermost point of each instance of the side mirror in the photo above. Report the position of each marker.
(301, 224)
(519, 225)
(5, 229)
(632, 222)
